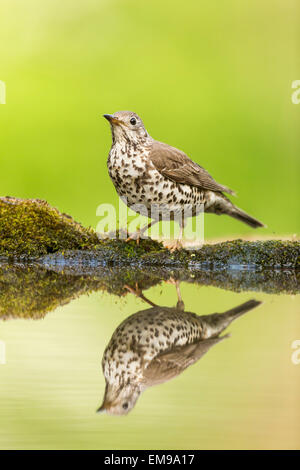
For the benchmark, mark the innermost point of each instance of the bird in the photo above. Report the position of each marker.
(155, 345)
(158, 180)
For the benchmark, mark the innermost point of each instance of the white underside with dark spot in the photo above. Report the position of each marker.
(136, 179)
(141, 337)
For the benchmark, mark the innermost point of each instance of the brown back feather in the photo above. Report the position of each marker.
(178, 167)
(167, 365)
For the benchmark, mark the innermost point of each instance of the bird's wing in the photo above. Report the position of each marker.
(178, 167)
(167, 365)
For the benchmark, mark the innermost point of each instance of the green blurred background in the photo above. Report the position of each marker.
(212, 78)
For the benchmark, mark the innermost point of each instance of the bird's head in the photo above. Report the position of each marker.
(126, 126)
(119, 400)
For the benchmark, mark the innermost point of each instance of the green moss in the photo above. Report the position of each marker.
(33, 228)
(268, 253)
(132, 249)
(236, 253)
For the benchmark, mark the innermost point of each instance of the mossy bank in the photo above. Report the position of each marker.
(33, 230)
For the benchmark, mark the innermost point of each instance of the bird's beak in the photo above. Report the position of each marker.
(112, 119)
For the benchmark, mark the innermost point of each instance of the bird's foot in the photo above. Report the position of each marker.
(173, 245)
(176, 283)
(137, 291)
(171, 280)
(134, 236)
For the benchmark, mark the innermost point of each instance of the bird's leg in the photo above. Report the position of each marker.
(174, 245)
(137, 291)
(137, 235)
(176, 283)
(180, 303)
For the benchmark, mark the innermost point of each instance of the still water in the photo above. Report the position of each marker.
(171, 382)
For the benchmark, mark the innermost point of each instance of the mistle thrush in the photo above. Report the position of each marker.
(154, 175)
(155, 345)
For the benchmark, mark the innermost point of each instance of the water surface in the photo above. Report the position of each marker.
(243, 393)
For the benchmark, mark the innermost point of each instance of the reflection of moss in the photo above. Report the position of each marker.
(114, 279)
(32, 291)
(27, 292)
(33, 229)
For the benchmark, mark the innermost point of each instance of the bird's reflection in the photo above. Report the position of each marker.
(155, 345)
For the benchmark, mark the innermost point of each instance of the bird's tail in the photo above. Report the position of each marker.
(236, 312)
(238, 214)
(217, 322)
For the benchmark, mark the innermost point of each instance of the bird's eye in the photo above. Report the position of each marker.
(125, 406)
(133, 121)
